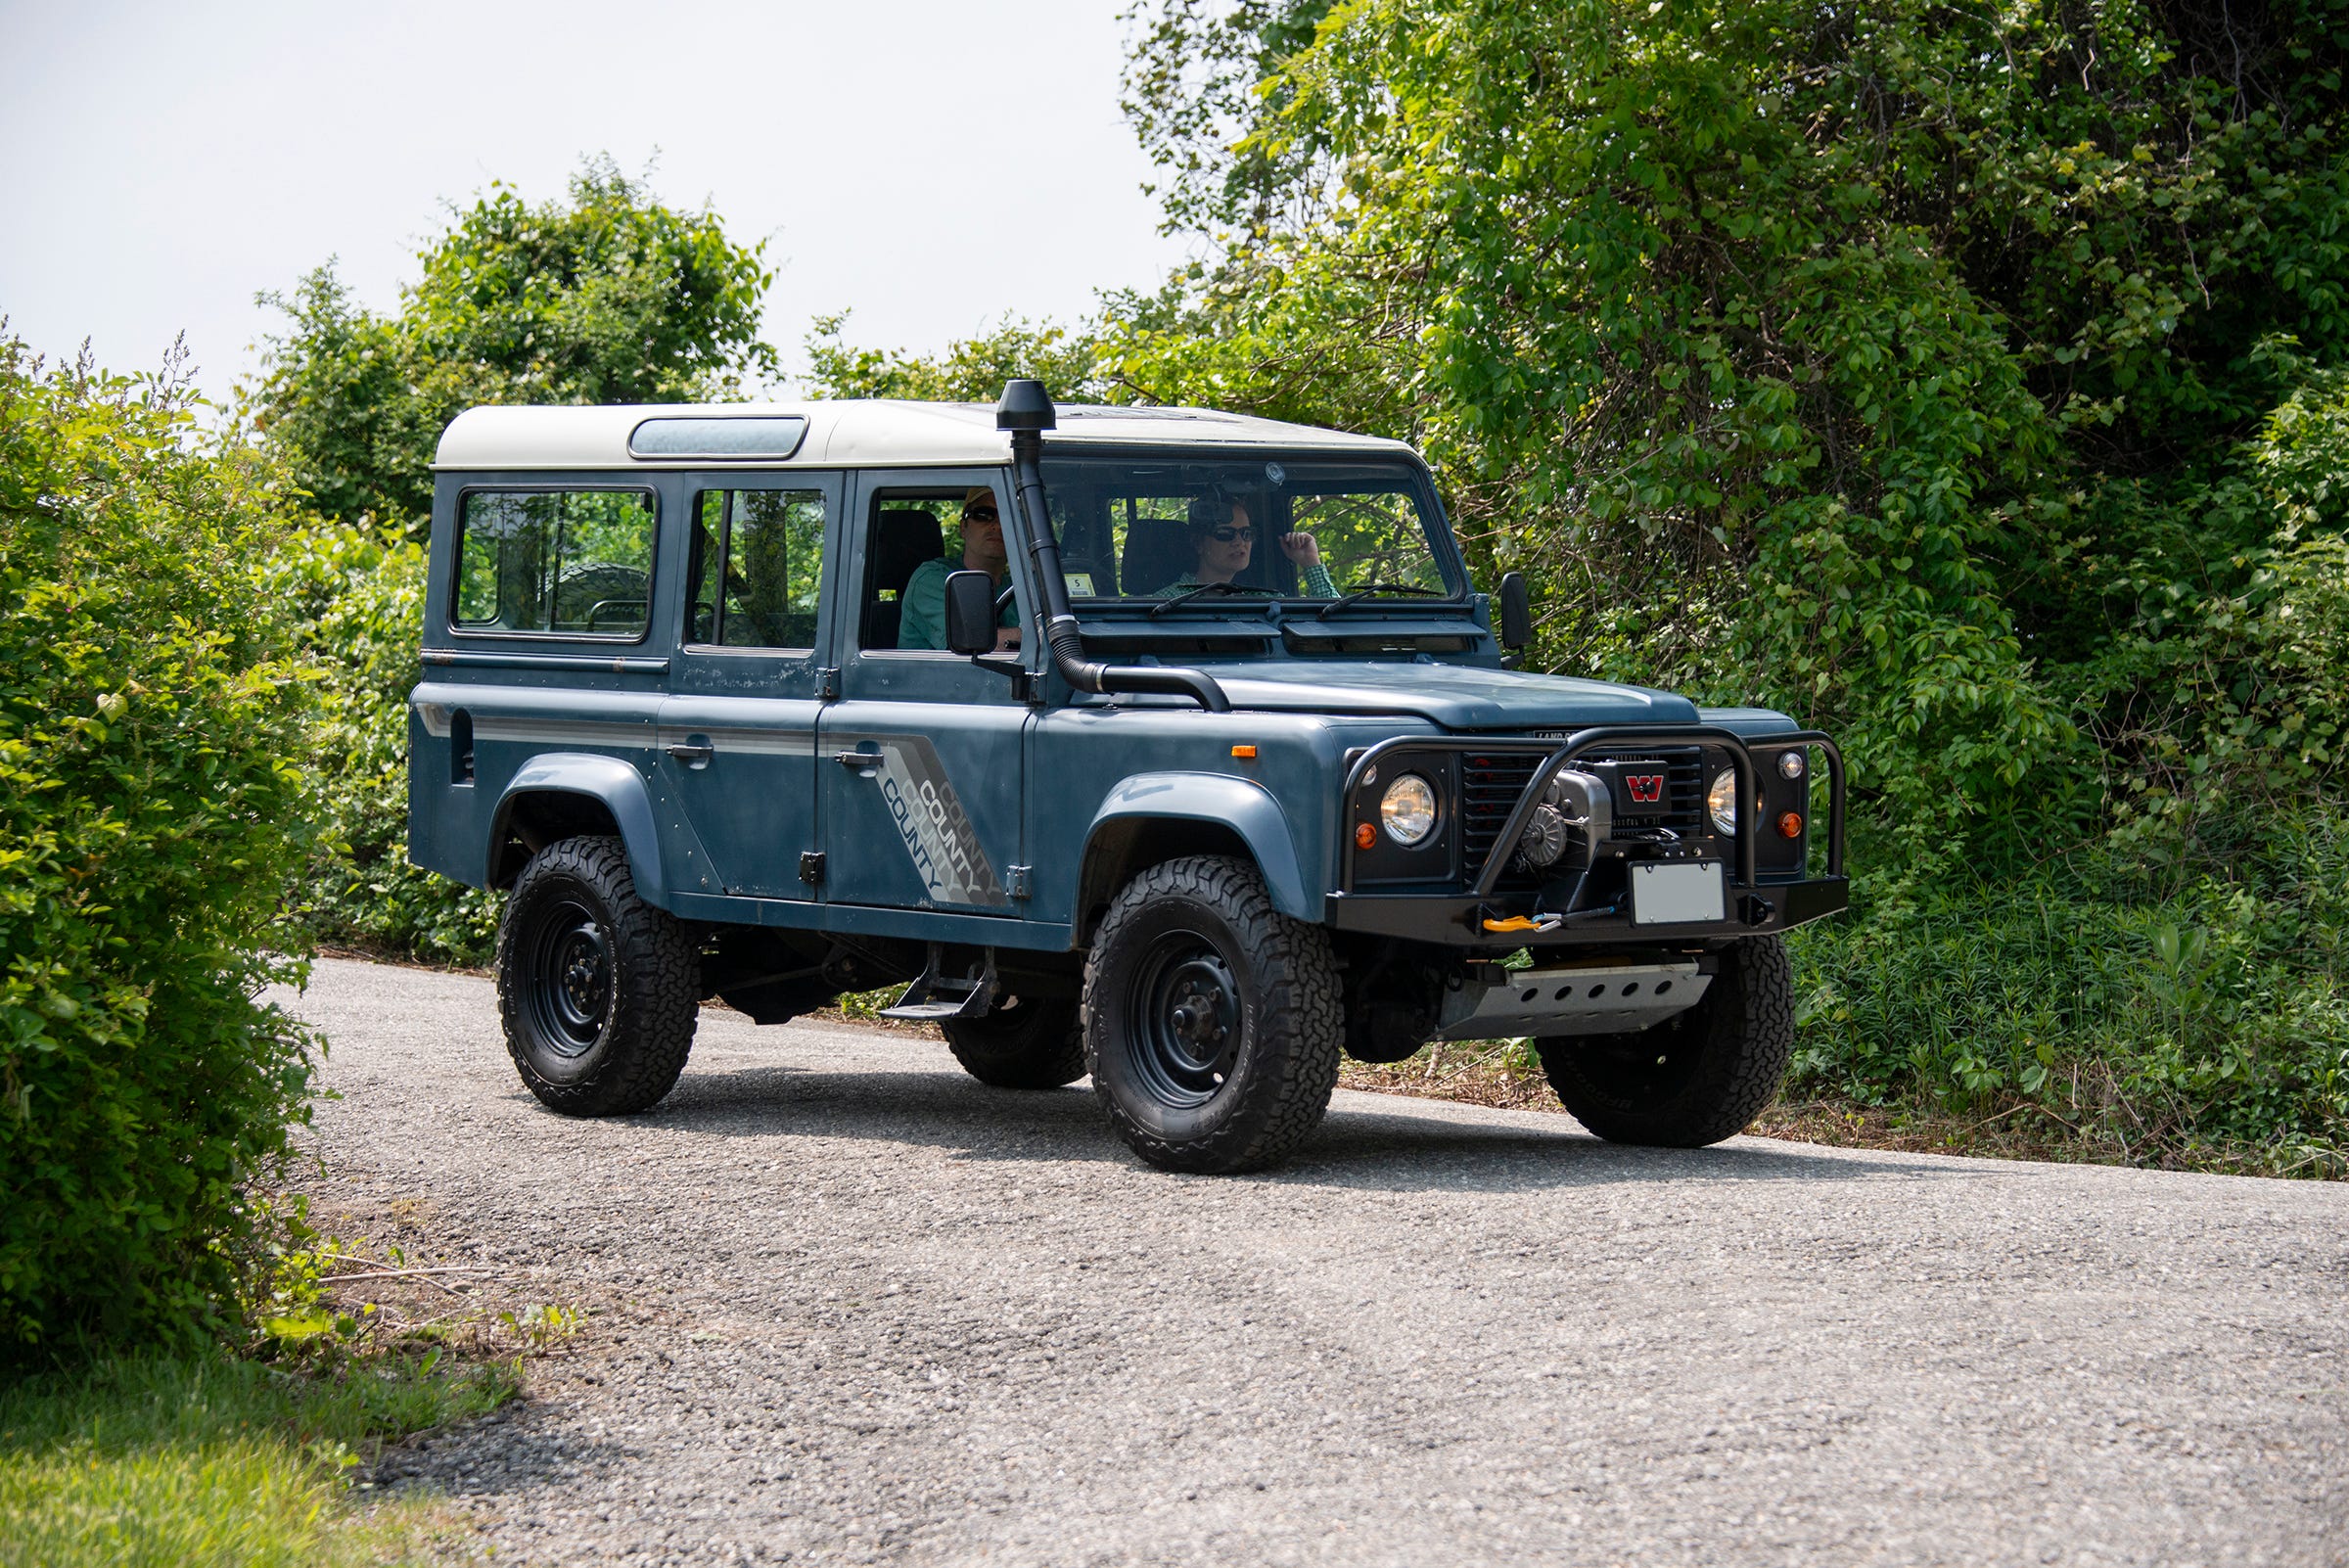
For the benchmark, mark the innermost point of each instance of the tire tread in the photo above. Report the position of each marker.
(1305, 1002)
(656, 980)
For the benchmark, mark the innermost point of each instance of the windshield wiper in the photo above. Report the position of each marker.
(1364, 590)
(1165, 605)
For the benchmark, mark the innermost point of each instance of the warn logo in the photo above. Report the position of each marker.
(1647, 788)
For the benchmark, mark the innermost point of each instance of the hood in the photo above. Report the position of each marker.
(1456, 696)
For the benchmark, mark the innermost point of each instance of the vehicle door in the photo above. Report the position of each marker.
(922, 757)
(737, 735)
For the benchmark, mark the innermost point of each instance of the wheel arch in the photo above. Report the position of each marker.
(1153, 817)
(563, 794)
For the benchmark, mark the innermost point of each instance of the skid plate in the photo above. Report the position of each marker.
(1584, 999)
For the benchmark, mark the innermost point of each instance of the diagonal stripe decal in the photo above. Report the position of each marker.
(929, 820)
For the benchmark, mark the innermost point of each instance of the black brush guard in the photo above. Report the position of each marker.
(1457, 919)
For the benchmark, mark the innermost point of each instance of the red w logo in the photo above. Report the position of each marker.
(1647, 788)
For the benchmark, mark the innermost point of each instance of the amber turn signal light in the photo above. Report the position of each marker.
(1365, 835)
(1246, 753)
(1790, 827)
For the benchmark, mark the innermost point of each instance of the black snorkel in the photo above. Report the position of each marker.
(1027, 412)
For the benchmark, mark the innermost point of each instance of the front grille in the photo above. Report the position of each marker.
(1491, 783)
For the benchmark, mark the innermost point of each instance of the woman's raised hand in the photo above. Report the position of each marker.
(1301, 548)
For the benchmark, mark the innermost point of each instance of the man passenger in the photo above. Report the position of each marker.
(922, 621)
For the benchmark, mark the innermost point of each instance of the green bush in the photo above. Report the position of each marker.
(152, 811)
(2203, 1025)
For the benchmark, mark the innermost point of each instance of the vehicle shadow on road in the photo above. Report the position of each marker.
(1352, 1148)
(1357, 1148)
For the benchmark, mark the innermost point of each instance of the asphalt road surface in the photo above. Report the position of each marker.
(855, 1307)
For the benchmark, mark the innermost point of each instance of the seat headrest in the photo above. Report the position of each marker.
(903, 539)
(1158, 551)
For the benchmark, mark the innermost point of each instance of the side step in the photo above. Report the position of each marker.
(935, 996)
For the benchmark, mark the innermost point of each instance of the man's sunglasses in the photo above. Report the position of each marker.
(980, 514)
(1231, 531)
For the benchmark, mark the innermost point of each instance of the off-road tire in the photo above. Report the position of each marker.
(1027, 1042)
(597, 1047)
(1275, 1016)
(1721, 1061)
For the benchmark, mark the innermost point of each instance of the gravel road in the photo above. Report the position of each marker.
(857, 1307)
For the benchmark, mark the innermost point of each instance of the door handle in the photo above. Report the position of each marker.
(858, 760)
(691, 756)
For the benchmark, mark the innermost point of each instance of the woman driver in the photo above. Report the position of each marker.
(1225, 538)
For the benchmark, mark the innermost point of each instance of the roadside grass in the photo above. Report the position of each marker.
(202, 1458)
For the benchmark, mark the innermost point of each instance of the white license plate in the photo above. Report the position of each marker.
(1678, 894)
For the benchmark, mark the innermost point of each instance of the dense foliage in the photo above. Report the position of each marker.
(1966, 381)
(151, 816)
(610, 298)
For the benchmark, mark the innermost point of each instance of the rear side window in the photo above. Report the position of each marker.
(758, 568)
(571, 563)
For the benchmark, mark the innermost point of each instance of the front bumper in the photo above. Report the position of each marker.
(1452, 921)
(1753, 906)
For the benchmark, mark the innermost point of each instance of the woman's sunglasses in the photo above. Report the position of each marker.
(1231, 531)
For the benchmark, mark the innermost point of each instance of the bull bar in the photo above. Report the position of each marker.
(1817, 896)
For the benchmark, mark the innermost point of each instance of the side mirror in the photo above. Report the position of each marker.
(1516, 612)
(969, 613)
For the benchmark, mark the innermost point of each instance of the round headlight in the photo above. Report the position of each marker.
(1722, 800)
(1408, 809)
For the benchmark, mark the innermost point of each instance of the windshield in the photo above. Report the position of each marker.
(1149, 530)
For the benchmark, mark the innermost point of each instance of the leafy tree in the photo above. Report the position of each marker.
(1200, 78)
(1842, 318)
(972, 370)
(607, 298)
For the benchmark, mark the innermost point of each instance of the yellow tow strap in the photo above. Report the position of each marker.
(1513, 923)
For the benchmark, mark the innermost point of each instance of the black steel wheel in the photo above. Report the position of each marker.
(1697, 1078)
(567, 984)
(1212, 1021)
(599, 990)
(1027, 1042)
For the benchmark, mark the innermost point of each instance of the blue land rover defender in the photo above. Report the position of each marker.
(1160, 744)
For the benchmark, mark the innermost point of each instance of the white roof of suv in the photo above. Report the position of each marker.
(866, 433)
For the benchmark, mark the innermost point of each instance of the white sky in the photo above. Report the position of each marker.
(927, 163)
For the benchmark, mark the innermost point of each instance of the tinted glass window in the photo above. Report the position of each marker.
(569, 562)
(758, 568)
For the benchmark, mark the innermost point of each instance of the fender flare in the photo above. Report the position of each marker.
(1241, 804)
(615, 784)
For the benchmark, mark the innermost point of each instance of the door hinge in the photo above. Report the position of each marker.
(827, 684)
(811, 867)
(1021, 879)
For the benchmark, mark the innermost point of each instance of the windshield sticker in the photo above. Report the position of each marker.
(1081, 583)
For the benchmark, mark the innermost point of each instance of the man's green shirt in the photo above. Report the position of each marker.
(922, 613)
